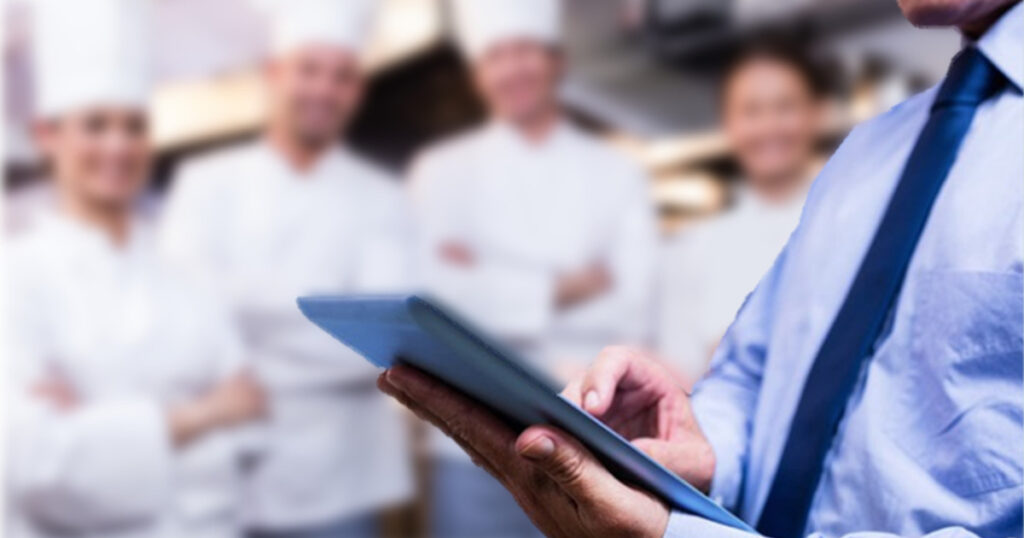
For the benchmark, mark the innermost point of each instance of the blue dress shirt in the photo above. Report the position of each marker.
(932, 439)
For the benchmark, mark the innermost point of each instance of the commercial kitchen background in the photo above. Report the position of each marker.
(643, 74)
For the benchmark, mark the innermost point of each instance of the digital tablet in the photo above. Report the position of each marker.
(418, 331)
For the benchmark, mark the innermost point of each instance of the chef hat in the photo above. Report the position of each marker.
(482, 23)
(90, 52)
(342, 23)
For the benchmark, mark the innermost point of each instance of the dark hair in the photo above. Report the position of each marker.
(787, 52)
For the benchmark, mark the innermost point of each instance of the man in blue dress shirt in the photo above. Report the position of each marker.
(872, 383)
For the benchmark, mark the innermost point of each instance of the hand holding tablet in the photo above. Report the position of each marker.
(411, 330)
(558, 483)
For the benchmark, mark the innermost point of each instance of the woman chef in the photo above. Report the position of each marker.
(772, 113)
(124, 383)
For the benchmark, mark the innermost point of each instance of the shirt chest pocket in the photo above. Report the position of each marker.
(959, 412)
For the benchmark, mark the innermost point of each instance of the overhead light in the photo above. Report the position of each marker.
(672, 151)
(404, 28)
(695, 191)
(193, 111)
(187, 112)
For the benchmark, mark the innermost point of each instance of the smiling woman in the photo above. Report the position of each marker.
(124, 378)
(772, 111)
(100, 156)
(771, 107)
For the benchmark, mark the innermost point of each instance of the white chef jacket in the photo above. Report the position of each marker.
(708, 271)
(529, 212)
(132, 338)
(266, 234)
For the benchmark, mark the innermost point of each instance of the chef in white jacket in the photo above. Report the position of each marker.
(771, 110)
(124, 382)
(296, 212)
(530, 227)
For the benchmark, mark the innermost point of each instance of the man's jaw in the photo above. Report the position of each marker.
(972, 18)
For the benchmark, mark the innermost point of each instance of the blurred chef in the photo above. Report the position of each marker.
(771, 111)
(530, 227)
(124, 381)
(292, 213)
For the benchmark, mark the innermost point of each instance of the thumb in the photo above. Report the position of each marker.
(660, 451)
(567, 464)
(691, 462)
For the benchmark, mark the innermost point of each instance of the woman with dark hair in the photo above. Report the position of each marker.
(124, 382)
(771, 111)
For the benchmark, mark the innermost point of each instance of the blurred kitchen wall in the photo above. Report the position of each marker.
(643, 73)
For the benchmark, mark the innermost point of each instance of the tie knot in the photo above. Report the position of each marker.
(970, 80)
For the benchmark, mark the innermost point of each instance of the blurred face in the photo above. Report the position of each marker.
(966, 14)
(314, 92)
(518, 79)
(100, 156)
(771, 118)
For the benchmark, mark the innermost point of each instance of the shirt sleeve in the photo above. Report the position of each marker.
(386, 264)
(724, 401)
(97, 467)
(103, 465)
(624, 315)
(515, 300)
(185, 233)
(688, 526)
(191, 238)
(681, 337)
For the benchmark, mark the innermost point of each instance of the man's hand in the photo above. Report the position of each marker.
(457, 253)
(557, 482)
(235, 400)
(56, 391)
(579, 286)
(638, 397)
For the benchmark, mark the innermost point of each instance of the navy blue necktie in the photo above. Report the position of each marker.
(971, 80)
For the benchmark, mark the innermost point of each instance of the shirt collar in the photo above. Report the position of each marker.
(83, 238)
(560, 133)
(747, 198)
(320, 168)
(1003, 45)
